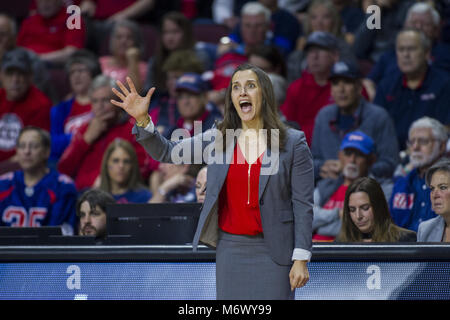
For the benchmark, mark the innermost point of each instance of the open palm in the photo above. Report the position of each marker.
(132, 102)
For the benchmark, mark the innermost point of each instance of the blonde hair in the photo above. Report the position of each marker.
(135, 178)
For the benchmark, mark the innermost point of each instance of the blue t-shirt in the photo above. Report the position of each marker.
(134, 196)
(51, 202)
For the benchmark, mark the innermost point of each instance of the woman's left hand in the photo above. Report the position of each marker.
(299, 274)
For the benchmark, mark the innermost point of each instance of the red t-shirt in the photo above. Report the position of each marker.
(33, 110)
(304, 99)
(79, 115)
(47, 35)
(238, 200)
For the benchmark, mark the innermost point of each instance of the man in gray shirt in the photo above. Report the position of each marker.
(349, 113)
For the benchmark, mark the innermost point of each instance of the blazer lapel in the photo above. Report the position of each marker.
(220, 171)
(270, 163)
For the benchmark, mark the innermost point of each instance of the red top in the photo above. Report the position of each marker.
(82, 161)
(47, 35)
(33, 110)
(78, 116)
(304, 99)
(238, 200)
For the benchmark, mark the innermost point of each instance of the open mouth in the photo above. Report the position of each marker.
(246, 106)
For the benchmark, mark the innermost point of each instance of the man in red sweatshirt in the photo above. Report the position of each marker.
(83, 157)
(308, 94)
(21, 104)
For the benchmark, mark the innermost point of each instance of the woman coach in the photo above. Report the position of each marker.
(260, 222)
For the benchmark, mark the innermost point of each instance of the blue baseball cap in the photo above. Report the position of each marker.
(192, 82)
(358, 140)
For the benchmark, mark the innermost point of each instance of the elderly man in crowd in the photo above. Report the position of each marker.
(418, 90)
(82, 158)
(410, 201)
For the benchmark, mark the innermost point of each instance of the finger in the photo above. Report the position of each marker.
(150, 92)
(123, 88)
(131, 84)
(116, 103)
(118, 94)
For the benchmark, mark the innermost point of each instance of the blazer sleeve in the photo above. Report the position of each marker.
(189, 150)
(302, 185)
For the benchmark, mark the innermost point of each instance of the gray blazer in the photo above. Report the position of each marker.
(431, 230)
(285, 193)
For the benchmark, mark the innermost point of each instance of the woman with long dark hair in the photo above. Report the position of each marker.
(366, 216)
(257, 211)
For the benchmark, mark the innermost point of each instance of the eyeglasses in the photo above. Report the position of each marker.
(420, 141)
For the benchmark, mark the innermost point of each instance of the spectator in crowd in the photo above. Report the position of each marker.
(351, 15)
(322, 16)
(264, 22)
(438, 180)
(67, 117)
(125, 48)
(366, 216)
(120, 174)
(47, 34)
(176, 33)
(424, 17)
(41, 77)
(35, 195)
(352, 112)
(269, 59)
(193, 106)
(419, 90)
(91, 210)
(82, 158)
(254, 29)
(371, 43)
(21, 104)
(200, 184)
(410, 201)
(164, 111)
(174, 183)
(356, 155)
(311, 92)
(101, 15)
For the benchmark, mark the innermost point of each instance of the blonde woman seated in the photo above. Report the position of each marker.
(120, 174)
(438, 180)
(366, 216)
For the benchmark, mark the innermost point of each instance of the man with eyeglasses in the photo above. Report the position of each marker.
(36, 195)
(410, 201)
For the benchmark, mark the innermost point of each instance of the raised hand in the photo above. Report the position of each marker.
(132, 102)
